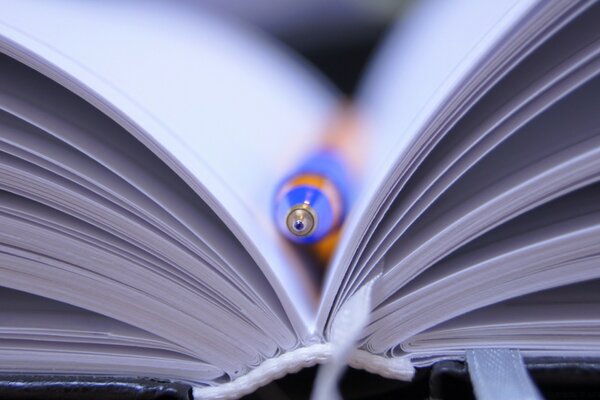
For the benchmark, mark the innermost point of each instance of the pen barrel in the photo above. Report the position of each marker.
(320, 185)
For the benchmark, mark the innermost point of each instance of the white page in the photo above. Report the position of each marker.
(565, 317)
(557, 261)
(207, 297)
(548, 157)
(213, 103)
(127, 173)
(531, 252)
(164, 307)
(39, 318)
(62, 358)
(416, 71)
(543, 79)
(81, 340)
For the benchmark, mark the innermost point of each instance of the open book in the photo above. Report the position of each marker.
(142, 142)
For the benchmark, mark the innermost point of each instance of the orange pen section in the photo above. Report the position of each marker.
(345, 134)
(324, 249)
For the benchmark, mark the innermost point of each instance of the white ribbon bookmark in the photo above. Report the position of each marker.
(500, 374)
(346, 329)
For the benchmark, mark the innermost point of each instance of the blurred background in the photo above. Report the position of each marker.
(337, 36)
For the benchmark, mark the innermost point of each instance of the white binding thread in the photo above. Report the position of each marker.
(346, 330)
(269, 370)
(399, 368)
(304, 357)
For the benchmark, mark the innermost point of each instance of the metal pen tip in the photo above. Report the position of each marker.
(301, 220)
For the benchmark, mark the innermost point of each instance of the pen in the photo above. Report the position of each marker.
(311, 203)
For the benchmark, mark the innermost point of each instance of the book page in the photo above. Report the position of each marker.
(546, 77)
(505, 203)
(421, 64)
(227, 112)
(114, 203)
(551, 245)
(563, 319)
(49, 335)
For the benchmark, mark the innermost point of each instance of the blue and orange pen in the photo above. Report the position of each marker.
(312, 202)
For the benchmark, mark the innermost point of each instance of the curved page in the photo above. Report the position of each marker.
(53, 336)
(117, 232)
(423, 62)
(216, 104)
(562, 319)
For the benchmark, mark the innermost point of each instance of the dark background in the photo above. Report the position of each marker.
(336, 36)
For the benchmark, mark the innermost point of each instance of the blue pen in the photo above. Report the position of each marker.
(312, 202)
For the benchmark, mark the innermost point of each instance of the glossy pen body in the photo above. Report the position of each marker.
(312, 201)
